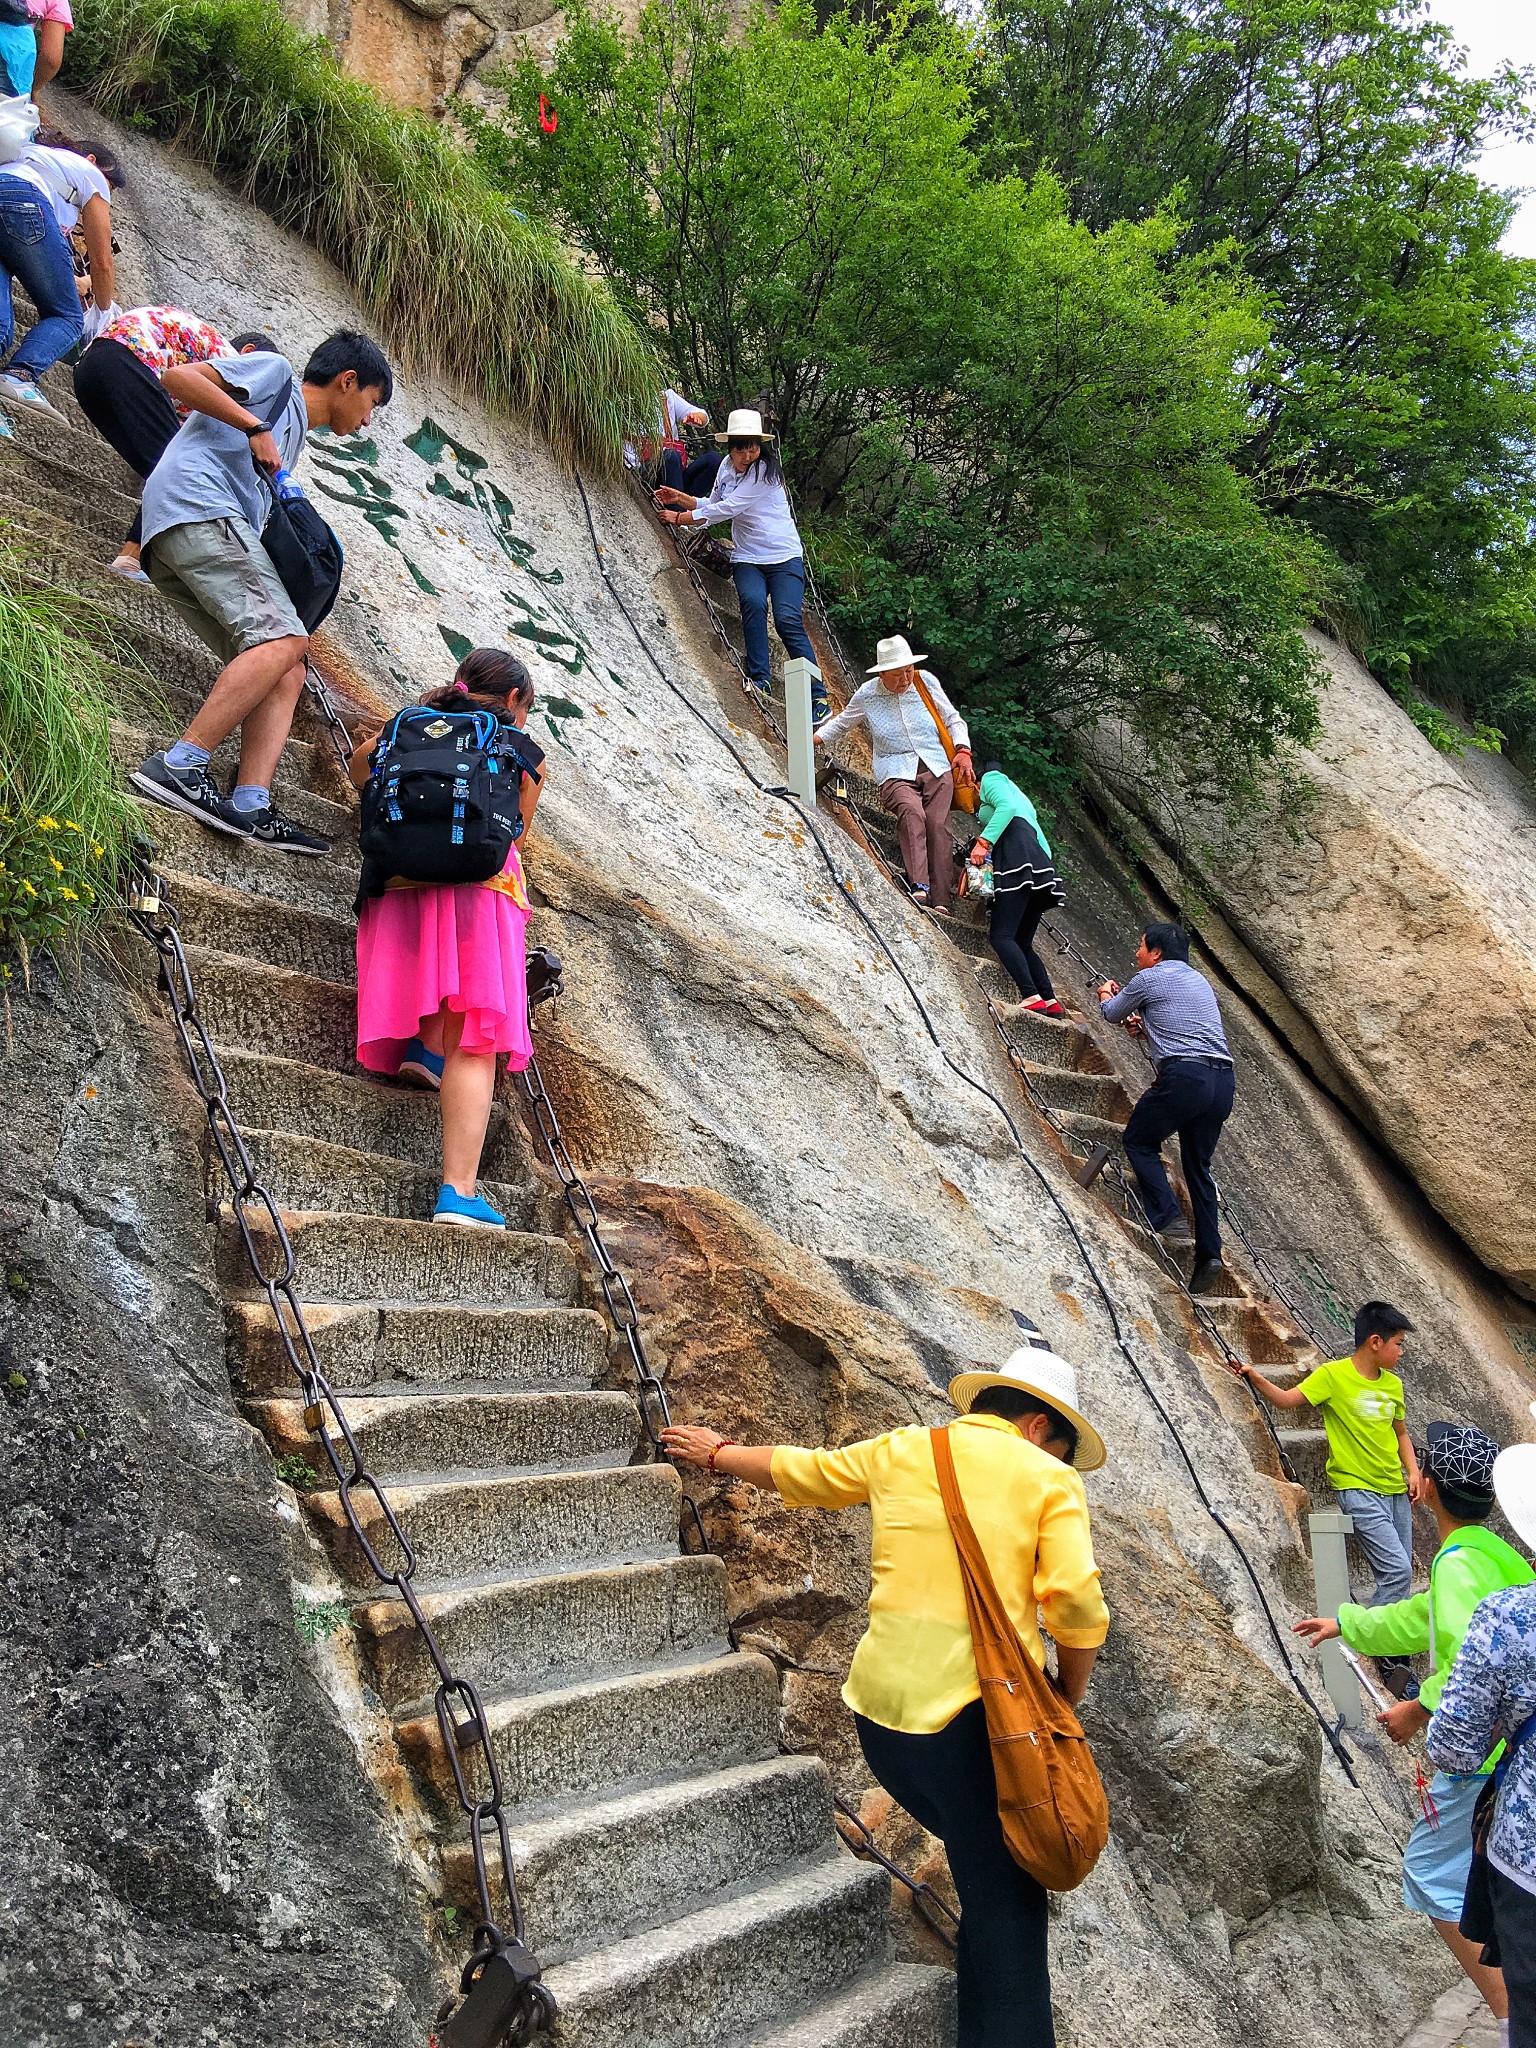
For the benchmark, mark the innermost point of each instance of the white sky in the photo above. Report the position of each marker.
(1496, 32)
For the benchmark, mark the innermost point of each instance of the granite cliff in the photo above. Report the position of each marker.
(822, 1210)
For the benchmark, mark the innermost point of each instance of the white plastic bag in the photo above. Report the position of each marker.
(18, 125)
(97, 317)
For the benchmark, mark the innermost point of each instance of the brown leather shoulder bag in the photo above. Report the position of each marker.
(1050, 1797)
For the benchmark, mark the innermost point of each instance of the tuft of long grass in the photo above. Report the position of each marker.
(66, 822)
(457, 280)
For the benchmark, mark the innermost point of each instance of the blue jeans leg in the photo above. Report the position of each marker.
(33, 248)
(1384, 1531)
(751, 581)
(786, 586)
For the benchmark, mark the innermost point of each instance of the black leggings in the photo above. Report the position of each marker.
(124, 400)
(1016, 918)
(945, 1781)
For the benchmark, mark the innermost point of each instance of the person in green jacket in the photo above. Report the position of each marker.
(1025, 885)
(1456, 1469)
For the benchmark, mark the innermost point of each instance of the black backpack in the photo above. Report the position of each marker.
(441, 804)
(305, 552)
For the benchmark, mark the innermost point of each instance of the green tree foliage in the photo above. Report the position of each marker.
(1335, 143)
(1012, 434)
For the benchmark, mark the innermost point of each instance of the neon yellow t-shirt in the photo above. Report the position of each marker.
(1360, 1416)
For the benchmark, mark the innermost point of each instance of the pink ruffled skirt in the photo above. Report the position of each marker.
(420, 948)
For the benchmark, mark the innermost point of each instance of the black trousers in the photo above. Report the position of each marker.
(1514, 1919)
(1016, 917)
(945, 1781)
(697, 477)
(1194, 1098)
(125, 402)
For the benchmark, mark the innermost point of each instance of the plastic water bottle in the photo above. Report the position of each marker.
(287, 486)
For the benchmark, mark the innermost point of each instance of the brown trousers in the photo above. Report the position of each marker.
(922, 809)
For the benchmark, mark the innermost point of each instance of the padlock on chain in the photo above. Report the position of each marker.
(496, 1992)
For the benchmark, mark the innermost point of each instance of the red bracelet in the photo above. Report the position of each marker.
(719, 1447)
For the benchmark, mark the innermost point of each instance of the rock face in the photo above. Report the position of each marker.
(189, 1844)
(823, 1212)
(1396, 915)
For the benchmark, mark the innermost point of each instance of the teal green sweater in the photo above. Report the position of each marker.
(1469, 1565)
(1001, 802)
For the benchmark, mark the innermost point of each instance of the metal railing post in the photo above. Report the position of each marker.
(801, 778)
(1330, 1574)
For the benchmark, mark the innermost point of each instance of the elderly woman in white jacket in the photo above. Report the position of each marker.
(912, 764)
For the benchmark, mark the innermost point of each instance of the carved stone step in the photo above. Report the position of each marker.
(419, 1434)
(306, 1173)
(390, 1346)
(374, 1258)
(495, 1525)
(617, 1731)
(705, 1980)
(541, 1633)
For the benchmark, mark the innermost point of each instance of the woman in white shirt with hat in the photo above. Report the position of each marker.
(913, 765)
(1018, 1444)
(767, 554)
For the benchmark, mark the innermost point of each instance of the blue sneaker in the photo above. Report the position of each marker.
(452, 1207)
(421, 1068)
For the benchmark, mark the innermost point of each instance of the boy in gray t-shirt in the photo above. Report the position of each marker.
(205, 504)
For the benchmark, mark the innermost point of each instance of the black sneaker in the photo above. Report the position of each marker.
(192, 790)
(270, 828)
(1209, 1277)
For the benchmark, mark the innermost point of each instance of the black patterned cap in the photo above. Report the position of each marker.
(1461, 1457)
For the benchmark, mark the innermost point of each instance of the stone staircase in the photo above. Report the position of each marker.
(683, 1881)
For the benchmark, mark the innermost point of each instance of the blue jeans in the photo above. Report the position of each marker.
(1384, 1531)
(784, 583)
(33, 248)
(697, 477)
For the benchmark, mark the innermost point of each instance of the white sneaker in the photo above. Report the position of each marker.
(24, 394)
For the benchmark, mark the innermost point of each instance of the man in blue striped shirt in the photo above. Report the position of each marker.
(1192, 1093)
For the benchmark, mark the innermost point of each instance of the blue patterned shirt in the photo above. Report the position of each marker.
(1492, 1686)
(1178, 1007)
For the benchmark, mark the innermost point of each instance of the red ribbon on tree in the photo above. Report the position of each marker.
(549, 120)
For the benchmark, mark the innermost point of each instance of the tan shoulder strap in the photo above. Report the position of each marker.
(1000, 1655)
(944, 739)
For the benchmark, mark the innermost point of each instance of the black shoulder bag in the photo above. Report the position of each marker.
(305, 552)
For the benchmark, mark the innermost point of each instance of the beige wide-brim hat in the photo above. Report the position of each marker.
(743, 425)
(1033, 1370)
(1514, 1486)
(893, 653)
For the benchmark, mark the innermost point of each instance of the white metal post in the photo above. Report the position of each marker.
(1330, 1574)
(798, 674)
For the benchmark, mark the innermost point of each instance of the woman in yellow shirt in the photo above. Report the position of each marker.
(1019, 1444)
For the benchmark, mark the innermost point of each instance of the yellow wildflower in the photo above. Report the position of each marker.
(71, 826)
(27, 886)
(47, 824)
(56, 865)
(69, 896)
(97, 849)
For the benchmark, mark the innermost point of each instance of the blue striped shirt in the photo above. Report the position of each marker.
(1178, 1007)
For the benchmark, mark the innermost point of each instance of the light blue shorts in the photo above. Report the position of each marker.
(1437, 1859)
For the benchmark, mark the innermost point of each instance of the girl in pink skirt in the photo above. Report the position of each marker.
(441, 984)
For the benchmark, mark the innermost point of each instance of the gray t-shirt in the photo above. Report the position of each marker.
(207, 471)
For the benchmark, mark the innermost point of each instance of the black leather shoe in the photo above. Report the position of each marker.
(1207, 1277)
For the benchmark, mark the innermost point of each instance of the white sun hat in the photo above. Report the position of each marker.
(1514, 1487)
(893, 653)
(744, 425)
(1034, 1370)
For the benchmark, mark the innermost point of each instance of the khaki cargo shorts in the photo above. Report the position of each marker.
(219, 577)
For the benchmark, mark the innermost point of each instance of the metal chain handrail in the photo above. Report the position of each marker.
(325, 704)
(501, 1977)
(656, 1414)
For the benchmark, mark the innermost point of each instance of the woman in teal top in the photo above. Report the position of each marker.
(1026, 885)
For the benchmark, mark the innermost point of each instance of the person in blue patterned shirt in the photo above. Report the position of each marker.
(1491, 1692)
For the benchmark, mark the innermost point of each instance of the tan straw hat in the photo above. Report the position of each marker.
(1034, 1370)
(1514, 1487)
(744, 425)
(893, 653)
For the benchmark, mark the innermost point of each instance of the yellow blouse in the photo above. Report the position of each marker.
(913, 1668)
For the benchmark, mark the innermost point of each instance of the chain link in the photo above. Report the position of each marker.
(461, 1717)
(335, 726)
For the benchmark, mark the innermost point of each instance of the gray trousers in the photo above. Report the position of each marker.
(1384, 1531)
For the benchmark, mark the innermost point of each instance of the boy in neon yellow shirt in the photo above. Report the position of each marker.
(1471, 1563)
(1371, 1461)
